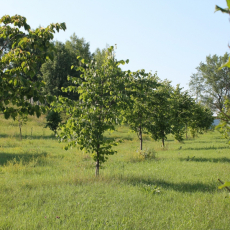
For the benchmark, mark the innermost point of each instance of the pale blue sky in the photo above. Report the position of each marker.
(170, 37)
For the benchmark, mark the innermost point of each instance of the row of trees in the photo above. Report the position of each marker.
(109, 96)
(98, 94)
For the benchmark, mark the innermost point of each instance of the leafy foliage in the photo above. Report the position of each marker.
(102, 95)
(137, 114)
(55, 72)
(20, 52)
(211, 83)
(200, 120)
(53, 120)
(161, 112)
(181, 104)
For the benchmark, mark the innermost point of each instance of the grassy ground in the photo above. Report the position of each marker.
(43, 186)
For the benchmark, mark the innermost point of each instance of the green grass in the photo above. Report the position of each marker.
(43, 186)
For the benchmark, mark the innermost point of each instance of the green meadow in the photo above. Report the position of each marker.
(43, 186)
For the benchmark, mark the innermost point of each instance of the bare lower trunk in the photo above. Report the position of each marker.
(140, 137)
(97, 165)
(20, 132)
(163, 142)
(97, 168)
(186, 131)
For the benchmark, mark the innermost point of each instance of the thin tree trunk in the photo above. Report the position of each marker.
(163, 142)
(140, 137)
(20, 132)
(97, 165)
(186, 131)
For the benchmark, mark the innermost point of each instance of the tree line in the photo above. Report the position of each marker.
(92, 90)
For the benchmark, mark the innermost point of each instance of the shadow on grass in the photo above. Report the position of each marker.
(28, 137)
(203, 159)
(180, 187)
(207, 148)
(119, 137)
(24, 158)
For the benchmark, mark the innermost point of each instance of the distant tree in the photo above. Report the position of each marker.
(78, 47)
(138, 113)
(200, 120)
(99, 56)
(211, 82)
(181, 104)
(54, 72)
(54, 120)
(20, 52)
(161, 115)
(21, 118)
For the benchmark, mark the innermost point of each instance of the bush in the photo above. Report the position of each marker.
(53, 120)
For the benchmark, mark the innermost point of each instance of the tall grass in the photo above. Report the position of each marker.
(43, 186)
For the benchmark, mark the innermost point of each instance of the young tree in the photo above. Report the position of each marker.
(161, 112)
(200, 120)
(21, 119)
(181, 104)
(138, 113)
(102, 95)
(53, 120)
(20, 52)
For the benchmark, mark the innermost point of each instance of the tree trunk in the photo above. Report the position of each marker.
(97, 166)
(140, 137)
(20, 132)
(163, 142)
(186, 131)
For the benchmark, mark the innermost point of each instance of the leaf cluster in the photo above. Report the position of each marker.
(20, 53)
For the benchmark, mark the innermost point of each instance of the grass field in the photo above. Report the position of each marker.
(43, 186)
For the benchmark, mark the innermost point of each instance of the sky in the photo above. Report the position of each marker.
(167, 37)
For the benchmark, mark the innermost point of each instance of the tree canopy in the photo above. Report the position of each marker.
(211, 84)
(22, 51)
(102, 95)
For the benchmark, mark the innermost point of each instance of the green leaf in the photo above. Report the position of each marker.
(23, 64)
(228, 3)
(217, 8)
(227, 64)
(25, 69)
(15, 82)
(226, 184)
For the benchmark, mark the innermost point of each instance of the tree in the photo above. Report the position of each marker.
(181, 105)
(21, 119)
(20, 52)
(214, 83)
(78, 47)
(53, 120)
(200, 120)
(54, 72)
(138, 113)
(99, 56)
(102, 95)
(161, 113)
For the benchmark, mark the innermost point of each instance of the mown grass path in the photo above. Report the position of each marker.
(43, 186)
